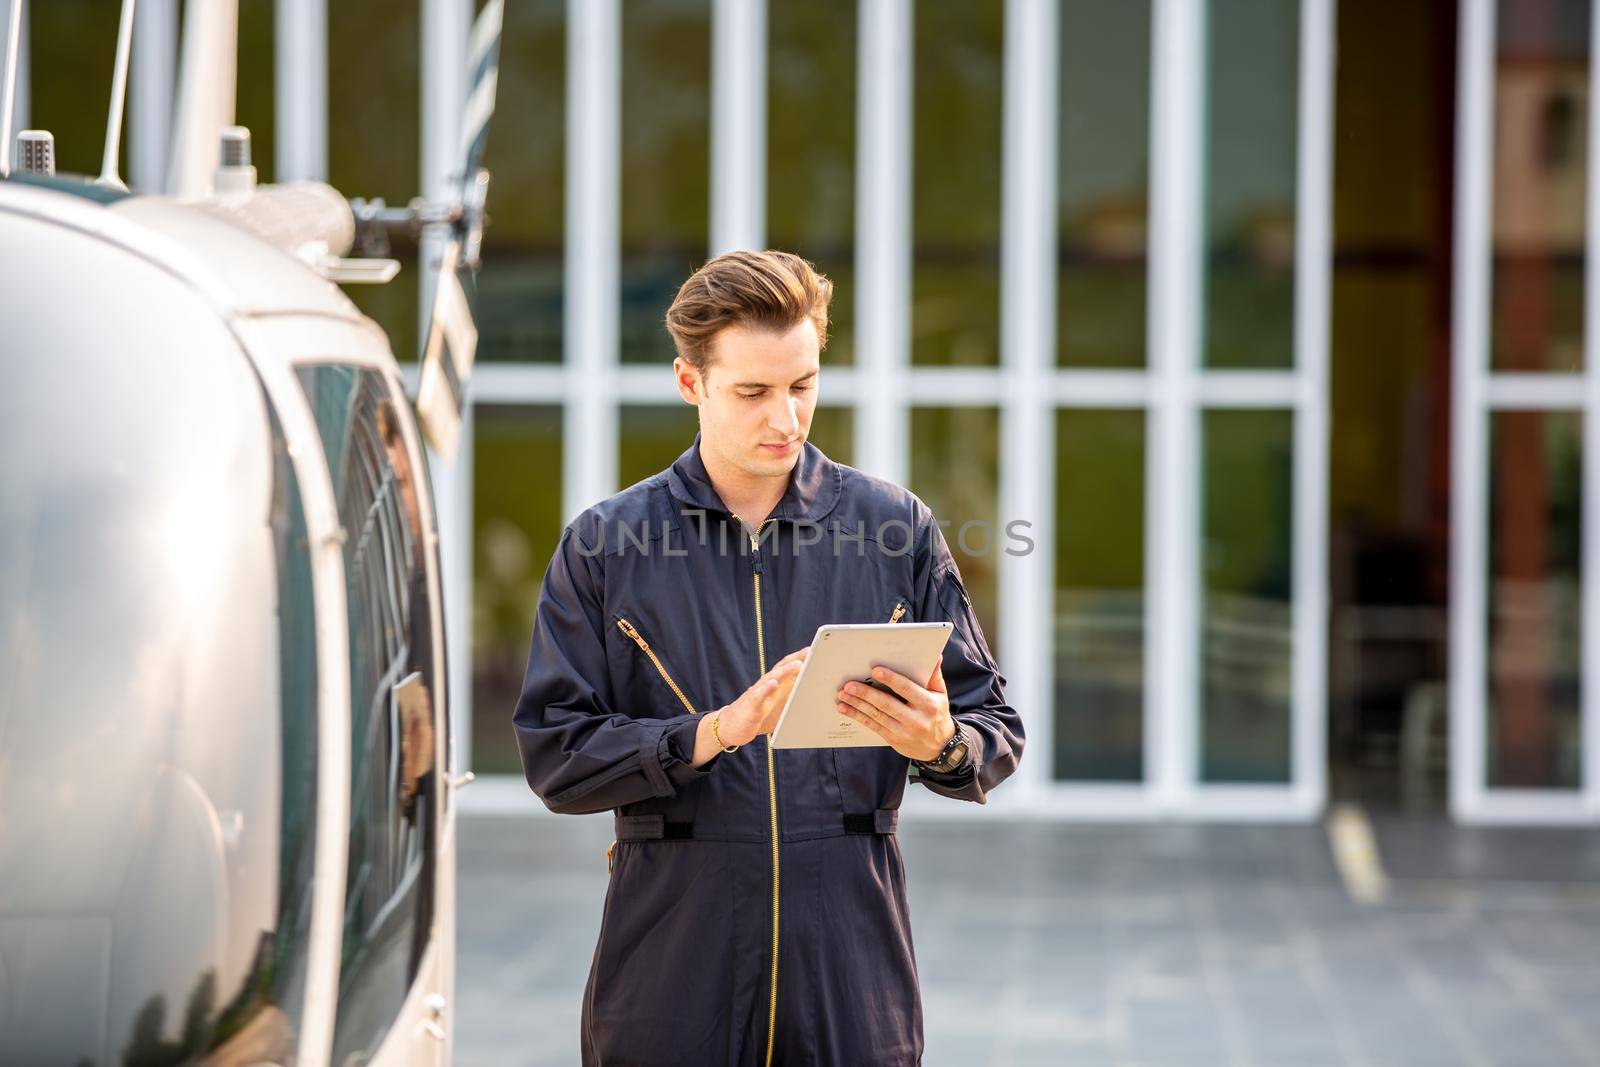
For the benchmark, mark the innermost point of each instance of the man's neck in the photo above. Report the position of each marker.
(751, 499)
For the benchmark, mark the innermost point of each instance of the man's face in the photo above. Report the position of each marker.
(759, 391)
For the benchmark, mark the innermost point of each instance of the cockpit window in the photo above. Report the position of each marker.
(158, 678)
(389, 889)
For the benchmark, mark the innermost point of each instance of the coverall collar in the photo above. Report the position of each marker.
(813, 484)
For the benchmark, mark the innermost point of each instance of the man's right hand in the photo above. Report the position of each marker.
(754, 713)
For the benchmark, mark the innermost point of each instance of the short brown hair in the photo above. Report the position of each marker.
(764, 290)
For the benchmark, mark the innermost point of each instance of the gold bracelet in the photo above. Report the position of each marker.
(716, 720)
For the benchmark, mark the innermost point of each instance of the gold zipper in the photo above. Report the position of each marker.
(899, 610)
(772, 792)
(628, 628)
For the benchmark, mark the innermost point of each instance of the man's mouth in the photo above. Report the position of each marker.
(781, 449)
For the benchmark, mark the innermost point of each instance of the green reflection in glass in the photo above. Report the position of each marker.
(255, 104)
(71, 46)
(1541, 147)
(1535, 595)
(832, 431)
(652, 437)
(811, 130)
(1098, 624)
(955, 469)
(1246, 637)
(374, 138)
(516, 525)
(519, 288)
(1102, 192)
(955, 218)
(666, 122)
(1252, 89)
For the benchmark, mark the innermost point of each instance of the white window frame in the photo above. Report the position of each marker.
(883, 386)
(1477, 393)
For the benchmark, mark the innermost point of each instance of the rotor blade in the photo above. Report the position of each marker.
(447, 360)
(483, 72)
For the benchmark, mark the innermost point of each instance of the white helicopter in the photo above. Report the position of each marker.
(226, 821)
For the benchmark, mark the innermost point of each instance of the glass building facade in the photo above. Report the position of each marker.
(1282, 367)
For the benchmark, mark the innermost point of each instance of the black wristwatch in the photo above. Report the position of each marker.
(950, 757)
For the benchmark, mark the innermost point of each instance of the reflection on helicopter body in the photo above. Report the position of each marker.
(225, 829)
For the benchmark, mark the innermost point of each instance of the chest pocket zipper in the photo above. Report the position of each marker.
(633, 634)
(899, 610)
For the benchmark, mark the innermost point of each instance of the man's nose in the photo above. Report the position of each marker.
(786, 420)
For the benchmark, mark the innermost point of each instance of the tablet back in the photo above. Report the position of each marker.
(841, 653)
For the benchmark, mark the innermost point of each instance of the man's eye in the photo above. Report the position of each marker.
(749, 396)
(801, 388)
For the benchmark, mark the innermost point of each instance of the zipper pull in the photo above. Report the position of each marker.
(627, 627)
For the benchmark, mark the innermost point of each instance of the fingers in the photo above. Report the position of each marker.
(908, 690)
(863, 713)
(936, 683)
(871, 705)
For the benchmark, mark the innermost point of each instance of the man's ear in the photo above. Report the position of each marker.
(690, 382)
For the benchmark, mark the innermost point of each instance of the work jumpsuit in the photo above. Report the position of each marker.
(756, 912)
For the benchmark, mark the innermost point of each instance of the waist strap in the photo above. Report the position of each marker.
(658, 828)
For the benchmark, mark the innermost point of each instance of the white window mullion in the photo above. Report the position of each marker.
(301, 88)
(1313, 260)
(1468, 497)
(1172, 467)
(592, 301)
(153, 73)
(1589, 563)
(883, 238)
(1027, 353)
(444, 25)
(738, 125)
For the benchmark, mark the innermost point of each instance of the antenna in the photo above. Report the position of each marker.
(119, 91)
(9, 102)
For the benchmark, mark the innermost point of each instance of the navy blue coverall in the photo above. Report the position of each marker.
(756, 912)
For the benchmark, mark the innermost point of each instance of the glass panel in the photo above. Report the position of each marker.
(1541, 152)
(1104, 177)
(955, 221)
(955, 469)
(158, 699)
(1535, 599)
(666, 181)
(255, 94)
(652, 438)
(833, 431)
(519, 289)
(1246, 570)
(516, 524)
(1099, 609)
(1252, 87)
(393, 781)
(374, 139)
(811, 134)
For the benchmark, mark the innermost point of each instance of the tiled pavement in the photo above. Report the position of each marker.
(1161, 946)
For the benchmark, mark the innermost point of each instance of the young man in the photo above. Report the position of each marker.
(757, 908)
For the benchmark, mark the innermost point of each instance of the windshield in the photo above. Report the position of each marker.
(157, 675)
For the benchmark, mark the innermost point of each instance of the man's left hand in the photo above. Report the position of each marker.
(915, 719)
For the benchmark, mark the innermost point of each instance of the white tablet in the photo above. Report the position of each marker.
(845, 652)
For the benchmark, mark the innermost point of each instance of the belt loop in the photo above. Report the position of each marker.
(882, 821)
(652, 828)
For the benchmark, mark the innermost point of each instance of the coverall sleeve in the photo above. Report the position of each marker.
(580, 753)
(976, 687)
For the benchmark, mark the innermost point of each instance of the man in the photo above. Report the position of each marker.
(757, 910)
